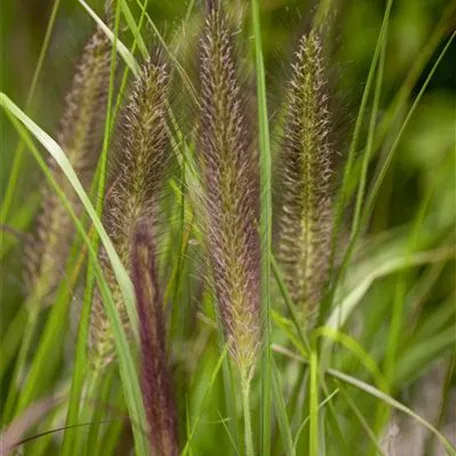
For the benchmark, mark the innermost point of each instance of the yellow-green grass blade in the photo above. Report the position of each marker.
(281, 411)
(304, 423)
(211, 382)
(122, 49)
(355, 347)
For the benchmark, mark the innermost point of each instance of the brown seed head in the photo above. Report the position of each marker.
(142, 161)
(228, 162)
(80, 137)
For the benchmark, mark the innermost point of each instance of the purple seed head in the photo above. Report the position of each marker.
(156, 380)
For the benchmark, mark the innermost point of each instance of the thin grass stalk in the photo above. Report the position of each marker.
(313, 402)
(265, 230)
(249, 447)
(228, 163)
(355, 138)
(370, 137)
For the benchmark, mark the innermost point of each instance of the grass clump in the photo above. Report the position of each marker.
(152, 326)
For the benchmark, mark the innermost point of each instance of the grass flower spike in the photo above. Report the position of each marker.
(142, 161)
(155, 376)
(80, 136)
(306, 162)
(230, 174)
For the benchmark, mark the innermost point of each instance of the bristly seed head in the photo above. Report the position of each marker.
(80, 137)
(229, 167)
(306, 169)
(142, 161)
(156, 380)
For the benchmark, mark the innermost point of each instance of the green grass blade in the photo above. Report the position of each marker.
(217, 368)
(126, 363)
(372, 196)
(304, 423)
(393, 403)
(81, 346)
(365, 425)
(354, 347)
(265, 231)
(382, 173)
(314, 443)
(343, 310)
(281, 411)
(134, 28)
(359, 120)
(122, 49)
(370, 136)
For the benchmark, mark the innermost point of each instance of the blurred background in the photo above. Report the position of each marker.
(422, 174)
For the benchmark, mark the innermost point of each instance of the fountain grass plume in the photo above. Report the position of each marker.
(156, 380)
(229, 171)
(305, 180)
(80, 136)
(141, 160)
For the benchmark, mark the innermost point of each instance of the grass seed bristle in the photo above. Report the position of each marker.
(229, 168)
(80, 136)
(306, 170)
(142, 158)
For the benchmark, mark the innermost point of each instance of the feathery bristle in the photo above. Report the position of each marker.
(228, 161)
(142, 161)
(155, 376)
(306, 163)
(80, 137)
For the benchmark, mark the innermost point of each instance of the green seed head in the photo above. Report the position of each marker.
(306, 169)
